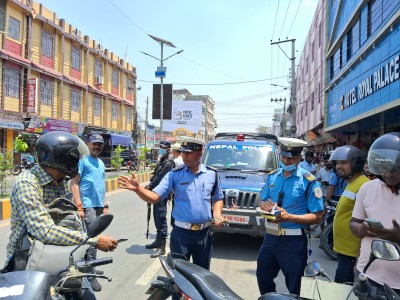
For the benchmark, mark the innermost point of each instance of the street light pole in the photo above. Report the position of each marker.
(162, 74)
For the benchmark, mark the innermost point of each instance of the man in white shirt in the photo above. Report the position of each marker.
(307, 163)
(324, 174)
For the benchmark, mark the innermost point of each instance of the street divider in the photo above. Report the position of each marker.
(111, 185)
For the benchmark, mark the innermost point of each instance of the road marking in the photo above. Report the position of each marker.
(4, 223)
(151, 271)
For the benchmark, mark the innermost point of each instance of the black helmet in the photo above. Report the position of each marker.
(349, 153)
(384, 155)
(61, 151)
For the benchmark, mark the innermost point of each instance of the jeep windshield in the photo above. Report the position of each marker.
(257, 158)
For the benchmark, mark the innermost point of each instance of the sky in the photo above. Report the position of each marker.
(227, 52)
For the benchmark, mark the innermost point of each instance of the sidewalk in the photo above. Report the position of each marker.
(111, 185)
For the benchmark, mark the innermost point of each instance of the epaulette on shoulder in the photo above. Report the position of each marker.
(310, 177)
(272, 172)
(212, 168)
(177, 168)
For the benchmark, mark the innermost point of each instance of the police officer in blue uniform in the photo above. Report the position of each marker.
(296, 195)
(197, 191)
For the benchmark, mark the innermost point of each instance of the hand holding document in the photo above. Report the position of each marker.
(271, 215)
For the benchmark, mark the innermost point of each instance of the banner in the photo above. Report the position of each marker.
(32, 95)
(39, 124)
(186, 118)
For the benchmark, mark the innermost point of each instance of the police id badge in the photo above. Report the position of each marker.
(318, 192)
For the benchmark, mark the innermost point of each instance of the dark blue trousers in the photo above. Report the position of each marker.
(160, 218)
(345, 268)
(195, 244)
(287, 253)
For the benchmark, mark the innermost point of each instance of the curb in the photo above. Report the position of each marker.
(111, 185)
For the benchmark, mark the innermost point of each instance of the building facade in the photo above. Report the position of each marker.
(363, 70)
(55, 78)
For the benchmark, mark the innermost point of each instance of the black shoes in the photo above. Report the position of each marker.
(96, 286)
(160, 250)
(154, 244)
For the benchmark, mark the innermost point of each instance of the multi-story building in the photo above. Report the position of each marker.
(310, 83)
(55, 78)
(363, 70)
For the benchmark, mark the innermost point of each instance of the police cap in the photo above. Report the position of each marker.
(290, 147)
(191, 144)
(165, 144)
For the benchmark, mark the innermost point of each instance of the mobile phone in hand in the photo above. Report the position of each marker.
(374, 223)
(121, 240)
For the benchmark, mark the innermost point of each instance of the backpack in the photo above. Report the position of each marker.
(34, 255)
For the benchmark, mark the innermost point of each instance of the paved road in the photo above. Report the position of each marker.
(234, 256)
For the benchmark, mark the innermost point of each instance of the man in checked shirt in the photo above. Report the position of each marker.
(57, 154)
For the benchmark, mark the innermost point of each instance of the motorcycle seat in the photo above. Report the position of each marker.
(22, 285)
(209, 285)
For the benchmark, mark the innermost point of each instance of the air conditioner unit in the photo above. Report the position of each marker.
(78, 32)
(99, 80)
(101, 47)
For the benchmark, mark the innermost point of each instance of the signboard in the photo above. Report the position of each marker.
(161, 72)
(42, 125)
(186, 118)
(167, 101)
(11, 121)
(32, 95)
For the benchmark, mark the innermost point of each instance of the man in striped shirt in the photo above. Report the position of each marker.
(57, 154)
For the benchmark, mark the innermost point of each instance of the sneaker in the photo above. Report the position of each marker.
(96, 286)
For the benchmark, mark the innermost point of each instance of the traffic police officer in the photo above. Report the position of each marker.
(297, 196)
(197, 190)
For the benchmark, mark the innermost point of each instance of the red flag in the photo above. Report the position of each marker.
(312, 135)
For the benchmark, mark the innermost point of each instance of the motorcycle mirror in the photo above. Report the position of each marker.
(385, 250)
(312, 269)
(99, 225)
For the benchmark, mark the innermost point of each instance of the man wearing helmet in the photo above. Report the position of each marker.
(379, 199)
(349, 163)
(57, 154)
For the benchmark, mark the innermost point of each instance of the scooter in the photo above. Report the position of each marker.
(69, 283)
(25, 164)
(187, 281)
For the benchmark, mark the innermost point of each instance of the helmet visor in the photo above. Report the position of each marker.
(73, 157)
(384, 162)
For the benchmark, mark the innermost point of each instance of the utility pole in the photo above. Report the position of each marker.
(147, 119)
(292, 84)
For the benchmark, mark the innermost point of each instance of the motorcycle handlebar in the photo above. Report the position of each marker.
(99, 262)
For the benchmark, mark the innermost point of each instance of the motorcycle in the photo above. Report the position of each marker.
(24, 165)
(187, 281)
(326, 236)
(133, 165)
(68, 283)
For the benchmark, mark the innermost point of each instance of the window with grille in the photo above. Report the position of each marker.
(128, 115)
(129, 86)
(46, 92)
(97, 68)
(75, 100)
(47, 43)
(97, 106)
(11, 82)
(115, 78)
(76, 58)
(13, 28)
(115, 111)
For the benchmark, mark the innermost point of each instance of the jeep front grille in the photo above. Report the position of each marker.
(246, 200)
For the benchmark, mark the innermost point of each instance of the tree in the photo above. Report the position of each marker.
(142, 156)
(263, 129)
(116, 159)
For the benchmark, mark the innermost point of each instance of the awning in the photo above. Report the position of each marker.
(15, 57)
(322, 138)
(115, 97)
(46, 70)
(75, 81)
(96, 90)
(122, 140)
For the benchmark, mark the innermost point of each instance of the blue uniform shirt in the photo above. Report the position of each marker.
(294, 201)
(192, 193)
(92, 186)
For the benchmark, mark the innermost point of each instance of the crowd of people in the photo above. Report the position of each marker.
(365, 186)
